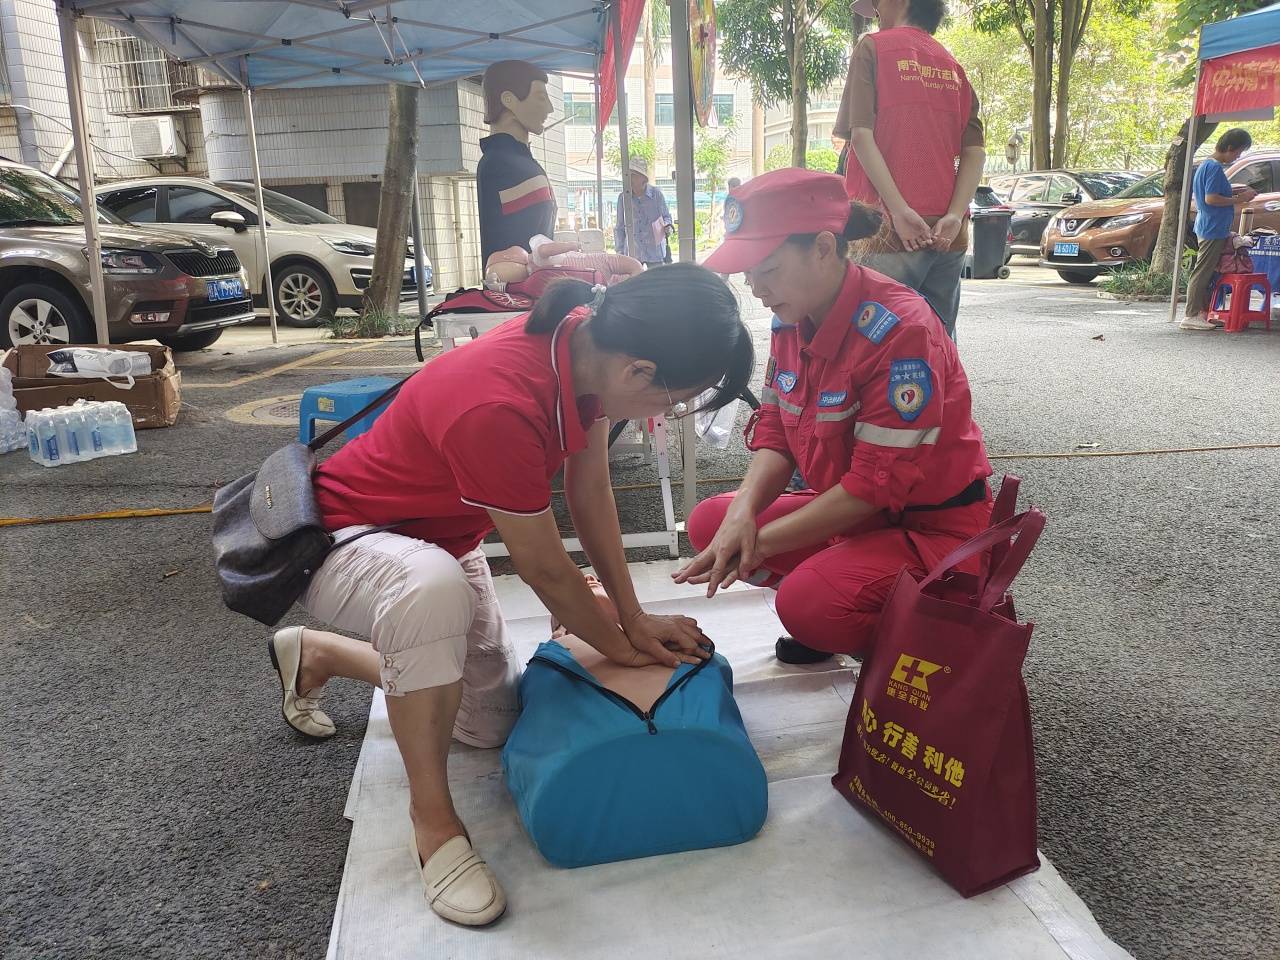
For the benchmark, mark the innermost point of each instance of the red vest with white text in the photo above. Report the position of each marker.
(923, 101)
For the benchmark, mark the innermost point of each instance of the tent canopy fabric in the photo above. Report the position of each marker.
(316, 43)
(1249, 31)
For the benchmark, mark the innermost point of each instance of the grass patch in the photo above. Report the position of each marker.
(1140, 281)
(369, 325)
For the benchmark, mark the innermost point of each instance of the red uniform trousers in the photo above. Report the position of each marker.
(830, 595)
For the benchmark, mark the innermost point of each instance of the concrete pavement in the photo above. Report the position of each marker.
(156, 805)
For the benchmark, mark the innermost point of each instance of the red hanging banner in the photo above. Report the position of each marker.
(632, 11)
(1239, 82)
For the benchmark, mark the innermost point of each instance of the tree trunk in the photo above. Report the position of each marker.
(383, 295)
(1041, 83)
(650, 75)
(757, 137)
(798, 36)
(1162, 257)
(1073, 17)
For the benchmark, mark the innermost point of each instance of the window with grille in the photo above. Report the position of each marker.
(137, 76)
(580, 108)
(6, 95)
(723, 104)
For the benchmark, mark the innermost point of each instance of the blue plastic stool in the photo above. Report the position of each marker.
(334, 402)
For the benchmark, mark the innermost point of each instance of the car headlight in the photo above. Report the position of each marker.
(129, 262)
(353, 248)
(1128, 220)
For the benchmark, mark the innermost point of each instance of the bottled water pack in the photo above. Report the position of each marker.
(83, 431)
(13, 434)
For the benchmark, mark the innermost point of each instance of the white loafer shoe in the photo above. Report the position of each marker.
(301, 711)
(458, 885)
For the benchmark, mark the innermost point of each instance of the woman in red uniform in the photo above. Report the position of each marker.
(864, 395)
(471, 443)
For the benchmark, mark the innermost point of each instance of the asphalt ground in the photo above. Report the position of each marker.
(153, 804)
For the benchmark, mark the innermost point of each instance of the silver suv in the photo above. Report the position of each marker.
(165, 285)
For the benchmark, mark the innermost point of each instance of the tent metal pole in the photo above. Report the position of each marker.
(84, 166)
(599, 131)
(1184, 206)
(682, 101)
(626, 210)
(262, 209)
(419, 250)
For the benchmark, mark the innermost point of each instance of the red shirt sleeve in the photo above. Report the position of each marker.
(899, 422)
(499, 460)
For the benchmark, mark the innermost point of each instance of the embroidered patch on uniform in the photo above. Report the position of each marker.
(832, 398)
(910, 387)
(875, 320)
(770, 369)
(732, 215)
(785, 381)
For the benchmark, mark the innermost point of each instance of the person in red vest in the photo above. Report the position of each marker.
(865, 394)
(917, 148)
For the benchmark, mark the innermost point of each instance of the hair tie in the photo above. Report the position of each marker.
(597, 298)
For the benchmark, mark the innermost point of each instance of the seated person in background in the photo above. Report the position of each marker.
(641, 685)
(515, 263)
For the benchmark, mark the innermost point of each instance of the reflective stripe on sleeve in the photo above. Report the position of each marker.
(894, 436)
(769, 395)
(830, 415)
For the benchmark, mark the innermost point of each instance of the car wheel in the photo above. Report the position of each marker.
(1072, 276)
(304, 296)
(192, 341)
(39, 313)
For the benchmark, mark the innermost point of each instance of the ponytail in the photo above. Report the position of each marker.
(560, 297)
(863, 222)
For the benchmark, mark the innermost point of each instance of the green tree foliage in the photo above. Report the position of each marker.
(816, 158)
(785, 48)
(713, 153)
(638, 145)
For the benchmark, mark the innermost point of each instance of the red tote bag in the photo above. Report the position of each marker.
(938, 742)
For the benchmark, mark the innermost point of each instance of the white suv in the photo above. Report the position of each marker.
(319, 264)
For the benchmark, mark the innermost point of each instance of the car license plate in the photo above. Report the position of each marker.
(1066, 249)
(225, 290)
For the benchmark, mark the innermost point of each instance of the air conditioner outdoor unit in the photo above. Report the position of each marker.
(156, 137)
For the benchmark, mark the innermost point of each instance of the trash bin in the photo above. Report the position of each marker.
(989, 230)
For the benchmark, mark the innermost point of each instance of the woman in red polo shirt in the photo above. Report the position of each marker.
(865, 395)
(471, 443)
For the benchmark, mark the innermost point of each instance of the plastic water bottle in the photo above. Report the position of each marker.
(68, 447)
(82, 431)
(13, 435)
(7, 401)
(33, 441)
(47, 433)
(124, 424)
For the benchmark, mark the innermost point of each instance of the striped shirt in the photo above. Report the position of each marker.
(516, 199)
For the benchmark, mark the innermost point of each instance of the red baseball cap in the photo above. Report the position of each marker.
(763, 212)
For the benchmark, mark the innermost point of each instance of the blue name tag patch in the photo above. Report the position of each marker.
(832, 398)
(874, 320)
(910, 387)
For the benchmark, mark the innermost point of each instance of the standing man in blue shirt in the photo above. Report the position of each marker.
(1216, 203)
(651, 220)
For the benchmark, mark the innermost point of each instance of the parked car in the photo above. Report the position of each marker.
(160, 284)
(1036, 197)
(319, 264)
(1093, 238)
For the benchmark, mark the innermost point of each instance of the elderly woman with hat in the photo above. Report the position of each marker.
(650, 219)
(864, 394)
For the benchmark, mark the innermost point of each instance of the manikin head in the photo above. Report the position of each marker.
(515, 98)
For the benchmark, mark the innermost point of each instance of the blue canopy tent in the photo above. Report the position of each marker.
(1236, 79)
(279, 44)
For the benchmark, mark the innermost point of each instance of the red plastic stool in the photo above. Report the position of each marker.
(1239, 286)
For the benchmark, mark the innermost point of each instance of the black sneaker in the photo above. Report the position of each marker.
(789, 651)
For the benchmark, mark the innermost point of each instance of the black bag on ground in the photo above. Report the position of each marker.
(268, 532)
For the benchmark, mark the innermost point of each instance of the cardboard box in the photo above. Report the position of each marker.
(153, 400)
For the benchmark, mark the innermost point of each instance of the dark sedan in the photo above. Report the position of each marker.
(1037, 197)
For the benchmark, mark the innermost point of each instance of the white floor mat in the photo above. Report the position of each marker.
(820, 880)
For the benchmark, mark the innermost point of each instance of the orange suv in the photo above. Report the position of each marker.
(1090, 239)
